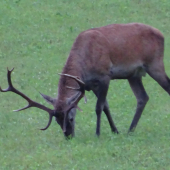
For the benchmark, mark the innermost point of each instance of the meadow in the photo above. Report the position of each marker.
(35, 38)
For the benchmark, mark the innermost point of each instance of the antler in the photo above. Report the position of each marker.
(79, 81)
(31, 103)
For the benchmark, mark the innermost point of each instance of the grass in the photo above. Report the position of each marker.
(35, 38)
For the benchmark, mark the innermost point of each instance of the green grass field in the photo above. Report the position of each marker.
(35, 38)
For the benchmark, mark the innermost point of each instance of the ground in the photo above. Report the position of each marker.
(35, 38)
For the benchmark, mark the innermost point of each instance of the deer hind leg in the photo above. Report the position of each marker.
(141, 97)
(157, 72)
(108, 115)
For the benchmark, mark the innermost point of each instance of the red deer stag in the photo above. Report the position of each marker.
(98, 55)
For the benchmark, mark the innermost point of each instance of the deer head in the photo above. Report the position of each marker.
(64, 117)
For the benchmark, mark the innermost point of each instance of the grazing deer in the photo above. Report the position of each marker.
(98, 55)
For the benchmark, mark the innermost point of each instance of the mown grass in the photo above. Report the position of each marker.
(35, 38)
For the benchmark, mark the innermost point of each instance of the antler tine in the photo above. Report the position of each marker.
(49, 122)
(31, 103)
(26, 107)
(10, 86)
(72, 88)
(74, 77)
(9, 76)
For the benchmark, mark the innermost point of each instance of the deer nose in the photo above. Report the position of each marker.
(67, 134)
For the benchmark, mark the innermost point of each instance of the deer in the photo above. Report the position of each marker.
(99, 55)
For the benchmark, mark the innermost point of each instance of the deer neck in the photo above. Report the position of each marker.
(67, 96)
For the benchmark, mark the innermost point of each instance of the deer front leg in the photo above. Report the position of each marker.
(102, 93)
(107, 113)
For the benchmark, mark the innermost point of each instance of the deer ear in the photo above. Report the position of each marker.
(49, 99)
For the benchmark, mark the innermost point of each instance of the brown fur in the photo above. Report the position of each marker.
(117, 51)
(96, 50)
